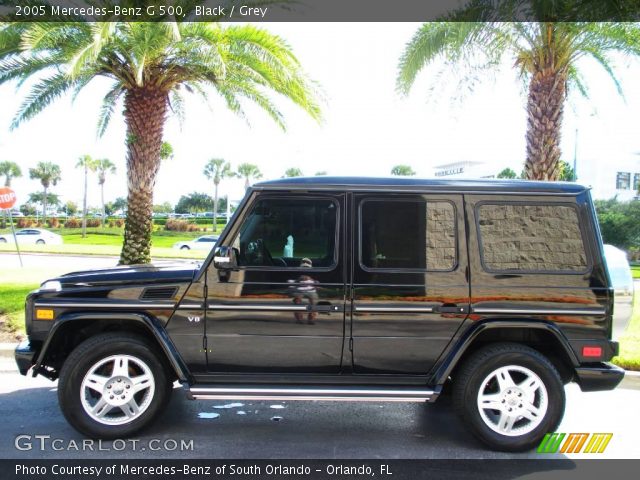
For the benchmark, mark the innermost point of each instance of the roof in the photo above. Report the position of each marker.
(420, 184)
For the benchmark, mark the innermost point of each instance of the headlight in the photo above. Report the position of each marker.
(51, 285)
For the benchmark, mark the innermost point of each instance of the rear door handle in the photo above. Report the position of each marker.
(324, 308)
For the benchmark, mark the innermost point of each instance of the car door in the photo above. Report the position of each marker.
(282, 310)
(410, 292)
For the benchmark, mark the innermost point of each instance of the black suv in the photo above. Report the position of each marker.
(357, 289)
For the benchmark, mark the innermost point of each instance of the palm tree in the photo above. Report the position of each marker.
(150, 65)
(546, 55)
(249, 172)
(293, 172)
(217, 169)
(103, 166)
(403, 171)
(87, 164)
(49, 175)
(9, 170)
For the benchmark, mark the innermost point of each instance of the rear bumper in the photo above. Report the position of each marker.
(599, 376)
(25, 355)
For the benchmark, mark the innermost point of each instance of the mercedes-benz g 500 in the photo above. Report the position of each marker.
(354, 289)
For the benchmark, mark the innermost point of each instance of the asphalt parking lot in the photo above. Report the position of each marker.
(295, 430)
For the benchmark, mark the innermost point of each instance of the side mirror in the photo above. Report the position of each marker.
(225, 258)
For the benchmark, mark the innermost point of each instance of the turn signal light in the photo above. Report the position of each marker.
(591, 351)
(44, 314)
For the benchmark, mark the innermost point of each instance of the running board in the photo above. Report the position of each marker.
(340, 394)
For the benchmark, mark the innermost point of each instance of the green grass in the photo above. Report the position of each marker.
(12, 297)
(108, 241)
(629, 357)
(105, 250)
(635, 271)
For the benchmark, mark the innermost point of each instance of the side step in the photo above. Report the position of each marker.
(334, 393)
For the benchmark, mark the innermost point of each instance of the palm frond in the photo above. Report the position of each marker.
(451, 41)
(109, 103)
(41, 95)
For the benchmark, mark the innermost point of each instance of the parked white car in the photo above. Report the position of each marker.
(206, 242)
(622, 282)
(31, 236)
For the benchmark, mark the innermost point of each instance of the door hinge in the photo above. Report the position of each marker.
(204, 343)
(206, 292)
(351, 344)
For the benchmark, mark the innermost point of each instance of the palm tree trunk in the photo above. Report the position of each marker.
(102, 200)
(545, 107)
(215, 208)
(246, 183)
(44, 207)
(145, 114)
(84, 203)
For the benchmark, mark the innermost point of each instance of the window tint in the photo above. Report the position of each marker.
(284, 232)
(542, 238)
(408, 235)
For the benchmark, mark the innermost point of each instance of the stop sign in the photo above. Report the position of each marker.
(7, 198)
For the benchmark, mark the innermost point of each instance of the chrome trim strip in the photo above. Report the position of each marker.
(538, 311)
(257, 308)
(310, 391)
(104, 305)
(309, 398)
(393, 309)
(191, 306)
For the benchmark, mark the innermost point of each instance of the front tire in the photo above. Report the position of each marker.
(509, 396)
(185, 247)
(113, 385)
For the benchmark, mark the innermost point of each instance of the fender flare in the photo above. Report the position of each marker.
(453, 355)
(150, 323)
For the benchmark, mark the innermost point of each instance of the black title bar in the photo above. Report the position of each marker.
(319, 10)
(191, 469)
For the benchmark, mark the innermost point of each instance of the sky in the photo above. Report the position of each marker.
(367, 127)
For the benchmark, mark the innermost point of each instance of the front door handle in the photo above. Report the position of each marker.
(452, 309)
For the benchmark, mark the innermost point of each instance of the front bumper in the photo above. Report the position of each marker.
(25, 355)
(599, 376)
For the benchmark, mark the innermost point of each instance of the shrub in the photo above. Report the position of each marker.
(24, 222)
(117, 223)
(180, 226)
(53, 222)
(73, 223)
(93, 222)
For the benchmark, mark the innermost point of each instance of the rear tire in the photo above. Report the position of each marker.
(509, 396)
(185, 247)
(40, 242)
(113, 385)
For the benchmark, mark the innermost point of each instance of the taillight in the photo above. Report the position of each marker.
(595, 352)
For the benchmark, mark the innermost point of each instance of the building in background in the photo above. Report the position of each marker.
(465, 169)
(616, 177)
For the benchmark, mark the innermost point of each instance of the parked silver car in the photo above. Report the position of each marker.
(622, 282)
(36, 236)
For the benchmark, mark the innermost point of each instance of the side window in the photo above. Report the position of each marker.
(289, 233)
(412, 234)
(539, 238)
